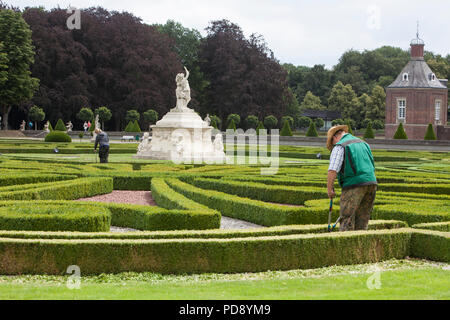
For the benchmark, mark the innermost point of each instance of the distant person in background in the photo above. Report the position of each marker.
(102, 140)
(89, 125)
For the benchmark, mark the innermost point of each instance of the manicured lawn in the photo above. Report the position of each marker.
(416, 280)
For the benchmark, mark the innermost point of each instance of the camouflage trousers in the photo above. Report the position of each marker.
(356, 206)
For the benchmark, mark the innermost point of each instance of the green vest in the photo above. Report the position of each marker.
(358, 168)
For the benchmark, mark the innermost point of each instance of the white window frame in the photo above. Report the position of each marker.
(405, 77)
(399, 107)
(437, 109)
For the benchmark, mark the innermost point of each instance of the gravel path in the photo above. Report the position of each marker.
(145, 198)
(129, 197)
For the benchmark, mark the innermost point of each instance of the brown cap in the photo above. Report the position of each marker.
(332, 132)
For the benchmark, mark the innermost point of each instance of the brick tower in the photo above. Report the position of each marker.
(416, 98)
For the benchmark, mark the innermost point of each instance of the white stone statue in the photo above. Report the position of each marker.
(69, 126)
(46, 126)
(207, 120)
(97, 122)
(22, 126)
(183, 91)
(218, 143)
(145, 145)
(97, 126)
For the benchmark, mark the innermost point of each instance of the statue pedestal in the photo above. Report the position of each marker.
(182, 137)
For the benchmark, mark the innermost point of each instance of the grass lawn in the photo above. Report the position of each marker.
(398, 279)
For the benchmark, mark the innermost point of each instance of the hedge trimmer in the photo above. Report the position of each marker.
(331, 228)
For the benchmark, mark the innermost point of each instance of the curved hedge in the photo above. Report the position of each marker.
(54, 218)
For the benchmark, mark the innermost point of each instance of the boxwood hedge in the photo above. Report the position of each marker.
(54, 218)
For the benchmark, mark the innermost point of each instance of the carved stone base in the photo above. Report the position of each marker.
(182, 137)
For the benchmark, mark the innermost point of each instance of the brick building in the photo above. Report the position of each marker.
(417, 98)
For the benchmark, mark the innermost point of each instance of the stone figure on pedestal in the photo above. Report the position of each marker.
(69, 126)
(182, 135)
(97, 126)
(207, 120)
(46, 126)
(183, 91)
(22, 126)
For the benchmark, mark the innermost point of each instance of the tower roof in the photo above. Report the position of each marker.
(417, 73)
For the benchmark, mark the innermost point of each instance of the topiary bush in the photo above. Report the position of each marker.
(368, 134)
(429, 135)
(57, 136)
(136, 127)
(232, 125)
(400, 133)
(286, 130)
(261, 127)
(312, 131)
(129, 127)
(60, 126)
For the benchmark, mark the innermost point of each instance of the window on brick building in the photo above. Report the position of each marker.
(401, 103)
(437, 110)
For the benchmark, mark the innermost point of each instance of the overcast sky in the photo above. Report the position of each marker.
(301, 32)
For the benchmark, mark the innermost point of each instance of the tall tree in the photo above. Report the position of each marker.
(311, 102)
(113, 60)
(344, 99)
(378, 107)
(19, 86)
(244, 76)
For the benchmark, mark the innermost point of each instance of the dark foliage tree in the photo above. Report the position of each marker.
(113, 60)
(244, 76)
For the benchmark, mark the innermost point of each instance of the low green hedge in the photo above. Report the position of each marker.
(437, 226)
(54, 218)
(262, 192)
(24, 256)
(140, 217)
(254, 211)
(431, 245)
(57, 136)
(412, 213)
(196, 234)
(31, 178)
(62, 190)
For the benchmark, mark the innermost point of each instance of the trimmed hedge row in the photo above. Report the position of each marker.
(196, 234)
(24, 256)
(254, 211)
(54, 218)
(262, 192)
(62, 190)
(432, 245)
(412, 214)
(31, 178)
(437, 226)
(142, 217)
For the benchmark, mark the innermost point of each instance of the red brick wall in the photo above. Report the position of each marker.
(420, 110)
